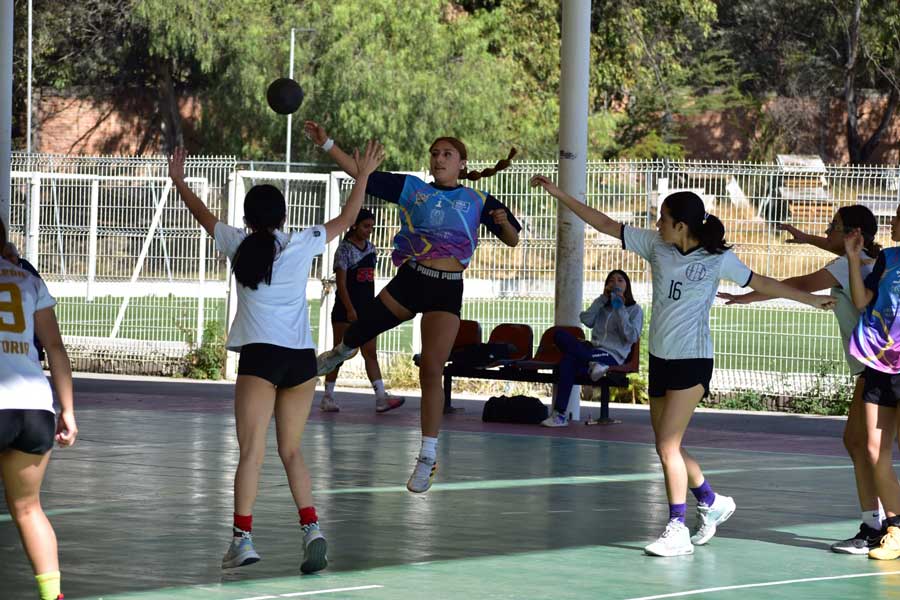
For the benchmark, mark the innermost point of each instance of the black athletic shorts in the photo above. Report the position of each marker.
(678, 374)
(361, 305)
(880, 388)
(30, 431)
(283, 367)
(420, 289)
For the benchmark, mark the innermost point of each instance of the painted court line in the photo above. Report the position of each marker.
(759, 585)
(315, 592)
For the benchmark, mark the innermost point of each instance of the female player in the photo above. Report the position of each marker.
(28, 424)
(616, 321)
(438, 235)
(836, 275)
(277, 368)
(354, 273)
(688, 256)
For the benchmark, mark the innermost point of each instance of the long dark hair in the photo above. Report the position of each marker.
(859, 217)
(687, 208)
(264, 211)
(2, 236)
(464, 155)
(626, 295)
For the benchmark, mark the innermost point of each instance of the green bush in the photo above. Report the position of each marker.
(207, 361)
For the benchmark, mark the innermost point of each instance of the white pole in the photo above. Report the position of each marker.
(6, 70)
(287, 151)
(28, 116)
(573, 113)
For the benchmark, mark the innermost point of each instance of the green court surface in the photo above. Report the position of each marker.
(142, 508)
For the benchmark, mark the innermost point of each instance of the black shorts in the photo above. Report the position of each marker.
(880, 388)
(283, 367)
(30, 431)
(678, 374)
(339, 313)
(420, 289)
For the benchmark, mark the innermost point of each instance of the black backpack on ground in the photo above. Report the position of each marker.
(514, 409)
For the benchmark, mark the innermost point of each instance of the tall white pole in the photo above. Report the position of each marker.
(6, 70)
(287, 152)
(573, 114)
(28, 117)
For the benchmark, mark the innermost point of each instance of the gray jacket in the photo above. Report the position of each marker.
(613, 329)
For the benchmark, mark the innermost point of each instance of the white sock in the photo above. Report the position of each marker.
(329, 388)
(429, 447)
(872, 518)
(378, 386)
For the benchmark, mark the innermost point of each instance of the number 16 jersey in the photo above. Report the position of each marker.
(22, 381)
(684, 288)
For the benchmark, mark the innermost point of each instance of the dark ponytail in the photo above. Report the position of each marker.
(687, 208)
(264, 211)
(3, 238)
(859, 217)
(464, 155)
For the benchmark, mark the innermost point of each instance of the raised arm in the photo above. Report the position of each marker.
(800, 237)
(365, 165)
(811, 282)
(592, 217)
(202, 214)
(319, 137)
(777, 289)
(47, 329)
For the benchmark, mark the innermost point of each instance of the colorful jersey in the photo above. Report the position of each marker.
(875, 340)
(274, 313)
(436, 221)
(684, 288)
(844, 310)
(22, 381)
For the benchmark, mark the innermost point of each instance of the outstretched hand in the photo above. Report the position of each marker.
(799, 237)
(734, 298)
(546, 183)
(367, 162)
(176, 164)
(315, 132)
(822, 302)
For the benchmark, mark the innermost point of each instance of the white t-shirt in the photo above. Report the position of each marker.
(684, 288)
(844, 310)
(274, 314)
(22, 381)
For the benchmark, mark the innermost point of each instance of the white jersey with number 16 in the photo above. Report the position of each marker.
(22, 381)
(684, 288)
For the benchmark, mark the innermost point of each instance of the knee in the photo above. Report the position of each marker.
(667, 452)
(22, 508)
(855, 444)
(369, 353)
(430, 370)
(289, 452)
(874, 452)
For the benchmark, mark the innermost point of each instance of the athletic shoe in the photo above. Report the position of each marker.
(710, 517)
(240, 552)
(422, 475)
(597, 371)
(390, 402)
(555, 420)
(674, 541)
(332, 359)
(328, 404)
(889, 549)
(314, 549)
(867, 539)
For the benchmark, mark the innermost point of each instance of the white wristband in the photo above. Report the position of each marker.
(328, 145)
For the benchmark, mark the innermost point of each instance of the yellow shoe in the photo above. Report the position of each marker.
(890, 545)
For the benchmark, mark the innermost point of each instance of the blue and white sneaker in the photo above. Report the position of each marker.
(330, 360)
(241, 551)
(556, 419)
(314, 549)
(710, 517)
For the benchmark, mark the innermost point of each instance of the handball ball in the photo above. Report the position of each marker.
(284, 96)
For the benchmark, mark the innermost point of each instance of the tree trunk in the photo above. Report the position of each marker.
(168, 107)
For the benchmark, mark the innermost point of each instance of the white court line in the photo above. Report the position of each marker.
(767, 584)
(331, 591)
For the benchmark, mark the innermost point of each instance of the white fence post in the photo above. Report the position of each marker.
(92, 238)
(332, 209)
(34, 222)
(201, 270)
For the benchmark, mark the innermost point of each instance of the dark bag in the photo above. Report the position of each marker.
(514, 409)
(480, 355)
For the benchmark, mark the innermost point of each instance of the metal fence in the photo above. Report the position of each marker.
(130, 267)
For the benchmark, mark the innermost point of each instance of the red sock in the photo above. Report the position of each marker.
(308, 515)
(243, 522)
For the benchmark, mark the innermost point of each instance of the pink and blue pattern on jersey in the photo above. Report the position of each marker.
(876, 340)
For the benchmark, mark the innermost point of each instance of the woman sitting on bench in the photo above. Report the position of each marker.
(616, 321)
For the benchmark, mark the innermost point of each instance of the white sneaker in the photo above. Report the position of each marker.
(328, 404)
(674, 541)
(709, 517)
(597, 371)
(422, 475)
(314, 549)
(240, 552)
(555, 420)
(328, 361)
(389, 402)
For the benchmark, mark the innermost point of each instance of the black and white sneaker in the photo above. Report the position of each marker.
(867, 539)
